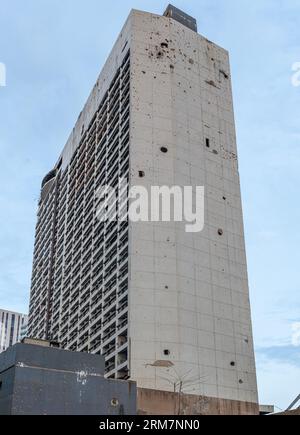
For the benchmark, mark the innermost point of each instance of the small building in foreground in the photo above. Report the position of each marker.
(38, 378)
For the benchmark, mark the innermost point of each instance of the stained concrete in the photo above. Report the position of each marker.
(38, 380)
(154, 402)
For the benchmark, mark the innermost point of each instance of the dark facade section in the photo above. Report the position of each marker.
(39, 380)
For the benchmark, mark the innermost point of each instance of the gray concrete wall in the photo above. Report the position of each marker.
(51, 392)
(189, 293)
(46, 381)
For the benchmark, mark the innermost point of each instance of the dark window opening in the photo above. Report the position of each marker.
(207, 142)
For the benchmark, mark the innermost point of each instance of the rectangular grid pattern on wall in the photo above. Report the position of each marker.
(81, 297)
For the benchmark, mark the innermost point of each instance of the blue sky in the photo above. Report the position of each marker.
(54, 50)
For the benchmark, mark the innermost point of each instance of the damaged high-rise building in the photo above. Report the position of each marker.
(167, 308)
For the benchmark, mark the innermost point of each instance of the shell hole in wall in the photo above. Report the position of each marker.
(114, 403)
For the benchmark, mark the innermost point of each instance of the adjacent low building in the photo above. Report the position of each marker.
(13, 327)
(36, 378)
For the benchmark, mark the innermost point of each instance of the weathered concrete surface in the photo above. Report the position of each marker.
(189, 292)
(154, 402)
(45, 381)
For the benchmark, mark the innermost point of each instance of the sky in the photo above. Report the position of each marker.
(53, 51)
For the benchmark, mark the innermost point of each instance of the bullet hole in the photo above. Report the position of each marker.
(167, 287)
(172, 67)
(211, 83)
(114, 403)
(241, 381)
(160, 54)
(164, 45)
(232, 364)
(224, 198)
(141, 174)
(164, 150)
(144, 72)
(191, 61)
(226, 76)
(167, 352)
(207, 142)
(215, 152)
(220, 232)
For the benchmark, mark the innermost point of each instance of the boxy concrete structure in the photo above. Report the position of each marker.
(168, 309)
(43, 380)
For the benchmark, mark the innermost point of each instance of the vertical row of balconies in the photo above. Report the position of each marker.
(42, 264)
(88, 306)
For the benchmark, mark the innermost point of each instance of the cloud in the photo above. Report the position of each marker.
(281, 354)
(296, 334)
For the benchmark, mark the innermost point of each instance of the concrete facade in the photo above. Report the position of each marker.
(12, 328)
(163, 306)
(188, 292)
(41, 380)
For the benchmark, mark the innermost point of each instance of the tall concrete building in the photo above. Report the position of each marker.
(12, 327)
(167, 308)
